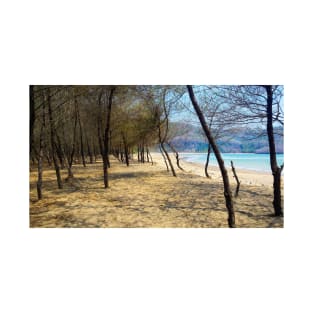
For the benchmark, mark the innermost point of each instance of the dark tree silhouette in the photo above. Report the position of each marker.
(276, 170)
(236, 177)
(106, 139)
(227, 190)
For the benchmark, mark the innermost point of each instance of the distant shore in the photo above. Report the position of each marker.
(248, 177)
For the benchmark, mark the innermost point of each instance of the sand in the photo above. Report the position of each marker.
(145, 195)
(249, 177)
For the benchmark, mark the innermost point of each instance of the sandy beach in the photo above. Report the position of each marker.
(146, 195)
(248, 177)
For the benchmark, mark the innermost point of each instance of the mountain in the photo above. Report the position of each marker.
(244, 140)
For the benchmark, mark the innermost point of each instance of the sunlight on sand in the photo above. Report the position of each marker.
(143, 195)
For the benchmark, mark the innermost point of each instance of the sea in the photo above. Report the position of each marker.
(249, 161)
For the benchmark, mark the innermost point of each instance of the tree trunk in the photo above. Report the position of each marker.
(106, 141)
(168, 159)
(176, 156)
(52, 140)
(164, 158)
(100, 141)
(48, 158)
(148, 151)
(121, 153)
(70, 158)
(276, 170)
(94, 151)
(165, 152)
(40, 158)
(236, 177)
(58, 149)
(207, 162)
(227, 190)
(32, 116)
(125, 149)
(81, 134)
(89, 151)
(142, 153)
(39, 180)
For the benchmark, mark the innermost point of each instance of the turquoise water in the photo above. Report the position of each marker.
(249, 161)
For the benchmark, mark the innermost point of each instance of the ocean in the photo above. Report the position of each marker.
(249, 161)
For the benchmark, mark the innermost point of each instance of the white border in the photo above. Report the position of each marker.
(152, 270)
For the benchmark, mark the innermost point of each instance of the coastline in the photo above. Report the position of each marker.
(246, 177)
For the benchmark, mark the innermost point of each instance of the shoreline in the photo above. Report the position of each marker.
(247, 177)
(257, 170)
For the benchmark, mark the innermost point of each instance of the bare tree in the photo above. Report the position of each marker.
(176, 155)
(162, 146)
(276, 170)
(258, 105)
(227, 190)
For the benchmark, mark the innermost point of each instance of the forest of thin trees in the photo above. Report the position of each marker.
(85, 124)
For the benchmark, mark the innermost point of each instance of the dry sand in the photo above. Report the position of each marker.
(248, 177)
(145, 195)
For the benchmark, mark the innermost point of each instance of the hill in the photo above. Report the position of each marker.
(244, 140)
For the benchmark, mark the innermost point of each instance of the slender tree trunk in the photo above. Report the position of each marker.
(164, 158)
(48, 158)
(58, 149)
(69, 173)
(125, 149)
(126, 156)
(227, 190)
(89, 151)
(236, 177)
(106, 140)
(142, 153)
(168, 159)
(109, 148)
(40, 158)
(52, 140)
(94, 151)
(150, 155)
(163, 139)
(81, 134)
(276, 170)
(207, 162)
(176, 156)
(99, 129)
(39, 180)
(100, 141)
(165, 152)
(70, 157)
(108, 159)
(32, 116)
